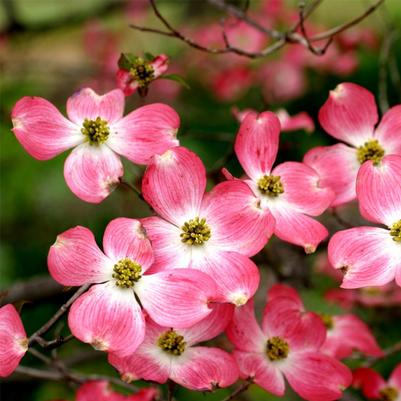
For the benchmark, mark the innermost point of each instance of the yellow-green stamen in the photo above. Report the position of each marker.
(195, 232)
(270, 185)
(277, 349)
(327, 320)
(388, 394)
(395, 231)
(127, 273)
(142, 72)
(370, 150)
(96, 130)
(172, 343)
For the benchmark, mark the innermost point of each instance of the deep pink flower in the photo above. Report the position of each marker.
(169, 353)
(371, 256)
(99, 133)
(13, 340)
(141, 73)
(290, 192)
(108, 316)
(287, 346)
(210, 232)
(374, 387)
(350, 115)
(101, 391)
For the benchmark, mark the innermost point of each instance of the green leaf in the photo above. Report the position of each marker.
(126, 61)
(176, 78)
(149, 56)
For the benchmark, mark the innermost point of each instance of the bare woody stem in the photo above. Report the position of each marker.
(280, 38)
(242, 388)
(387, 352)
(37, 336)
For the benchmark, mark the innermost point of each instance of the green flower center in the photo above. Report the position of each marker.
(388, 394)
(370, 150)
(142, 72)
(270, 185)
(195, 232)
(277, 349)
(97, 130)
(127, 273)
(327, 320)
(395, 231)
(172, 343)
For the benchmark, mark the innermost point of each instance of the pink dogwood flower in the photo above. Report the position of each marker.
(108, 316)
(288, 345)
(290, 192)
(211, 232)
(371, 256)
(350, 115)
(374, 387)
(170, 353)
(13, 340)
(101, 390)
(99, 133)
(138, 73)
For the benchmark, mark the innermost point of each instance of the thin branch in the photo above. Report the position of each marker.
(341, 28)
(395, 348)
(36, 337)
(242, 388)
(339, 219)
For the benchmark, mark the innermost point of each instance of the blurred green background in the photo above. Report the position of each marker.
(46, 49)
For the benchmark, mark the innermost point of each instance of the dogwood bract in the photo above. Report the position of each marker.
(108, 316)
(371, 256)
(289, 193)
(170, 353)
(350, 115)
(210, 232)
(99, 133)
(13, 340)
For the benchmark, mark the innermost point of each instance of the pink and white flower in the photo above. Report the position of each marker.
(371, 256)
(140, 73)
(13, 340)
(288, 345)
(211, 232)
(108, 316)
(374, 387)
(101, 390)
(291, 192)
(170, 353)
(99, 133)
(350, 115)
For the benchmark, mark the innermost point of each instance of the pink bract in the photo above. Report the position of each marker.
(287, 346)
(210, 232)
(290, 193)
(108, 316)
(371, 256)
(350, 115)
(99, 133)
(170, 353)
(13, 340)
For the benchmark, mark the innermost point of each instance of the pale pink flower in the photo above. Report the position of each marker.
(99, 132)
(287, 346)
(212, 232)
(290, 192)
(371, 256)
(141, 73)
(108, 316)
(350, 115)
(13, 340)
(170, 353)
(101, 390)
(374, 387)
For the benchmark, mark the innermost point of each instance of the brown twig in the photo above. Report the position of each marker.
(37, 336)
(340, 220)
(386, 353)
(242, 388)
